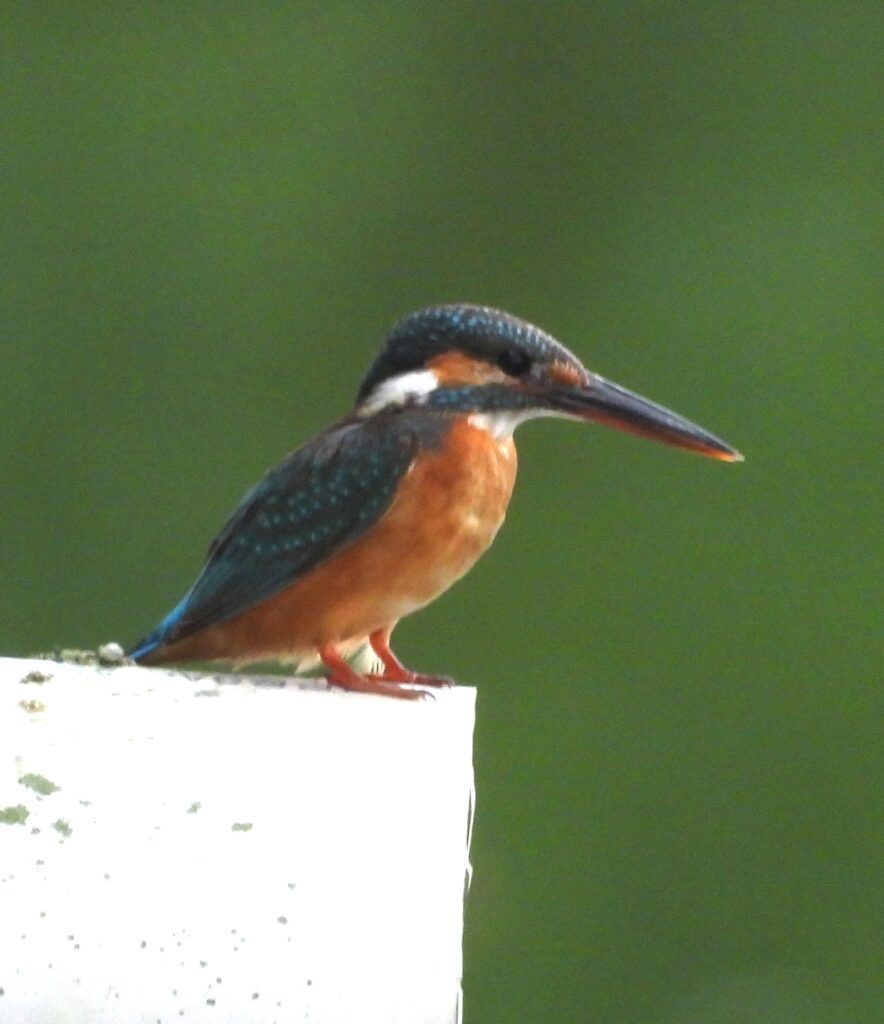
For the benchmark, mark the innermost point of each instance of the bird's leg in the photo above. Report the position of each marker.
(394, 670)
(342, 675)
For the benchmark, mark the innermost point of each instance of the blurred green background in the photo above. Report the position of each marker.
(210, 216)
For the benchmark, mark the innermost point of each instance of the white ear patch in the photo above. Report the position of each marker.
(398, 391)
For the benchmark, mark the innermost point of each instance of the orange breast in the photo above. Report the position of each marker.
(446, 513)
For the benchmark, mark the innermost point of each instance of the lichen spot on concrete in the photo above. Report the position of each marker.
(38, 783)
(36, 676)
(17, 815)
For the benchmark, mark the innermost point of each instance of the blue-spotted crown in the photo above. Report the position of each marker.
(489, 334)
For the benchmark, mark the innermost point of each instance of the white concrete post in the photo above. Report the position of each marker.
(184, 847)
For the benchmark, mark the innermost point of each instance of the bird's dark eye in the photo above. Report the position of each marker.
(514, 362)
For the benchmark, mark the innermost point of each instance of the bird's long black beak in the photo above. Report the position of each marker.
(605, 402)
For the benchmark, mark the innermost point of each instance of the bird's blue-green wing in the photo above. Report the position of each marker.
(322, 497)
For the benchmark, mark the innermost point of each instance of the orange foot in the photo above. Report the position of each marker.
(394, 670)
(342, 675)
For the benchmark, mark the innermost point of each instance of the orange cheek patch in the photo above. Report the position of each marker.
(459, 368)
(564, 373)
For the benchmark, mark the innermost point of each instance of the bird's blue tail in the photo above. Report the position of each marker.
(158, 636)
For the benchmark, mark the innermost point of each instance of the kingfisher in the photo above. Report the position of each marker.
(383, 511)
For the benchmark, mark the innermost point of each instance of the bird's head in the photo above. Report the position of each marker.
(502, 371)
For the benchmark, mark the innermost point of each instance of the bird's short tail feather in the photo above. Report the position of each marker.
(144, 647)
(158, 636)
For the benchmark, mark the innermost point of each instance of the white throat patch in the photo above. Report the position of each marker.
(404, 389)
(500, 425)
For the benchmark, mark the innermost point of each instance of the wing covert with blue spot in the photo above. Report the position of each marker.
(322, 497)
